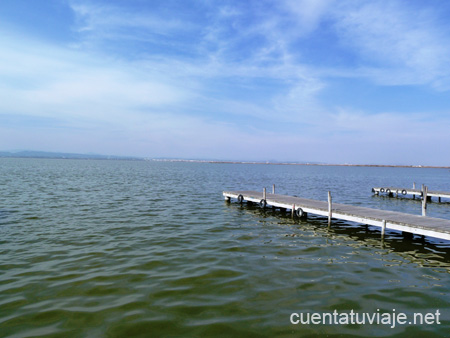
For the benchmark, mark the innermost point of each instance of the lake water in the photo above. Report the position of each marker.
(142, 248)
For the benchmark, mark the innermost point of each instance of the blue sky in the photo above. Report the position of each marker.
(364, 82)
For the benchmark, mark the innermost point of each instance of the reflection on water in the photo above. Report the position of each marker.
(421, 250)
(95, 248)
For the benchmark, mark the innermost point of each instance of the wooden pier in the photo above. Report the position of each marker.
(392, 220)
(391, 191)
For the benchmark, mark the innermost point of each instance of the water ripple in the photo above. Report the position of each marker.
(115, 248)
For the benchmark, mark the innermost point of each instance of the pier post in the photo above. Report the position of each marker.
(293, 211)
(329, 209)
(264, 194)
(273, 189)
(424, 200)
(383, 229)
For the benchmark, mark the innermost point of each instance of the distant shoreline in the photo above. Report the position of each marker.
(69, 156)
(74, 156)
(304, 164)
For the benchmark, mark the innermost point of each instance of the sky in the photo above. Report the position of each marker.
(330, 81)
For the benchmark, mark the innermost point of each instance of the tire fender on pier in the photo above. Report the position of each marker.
(263, 203)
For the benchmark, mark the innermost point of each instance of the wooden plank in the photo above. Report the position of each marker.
(428, 226)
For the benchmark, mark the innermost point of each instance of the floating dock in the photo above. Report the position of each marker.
(391, 191)
(392, 220)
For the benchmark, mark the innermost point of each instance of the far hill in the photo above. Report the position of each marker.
(45, 154)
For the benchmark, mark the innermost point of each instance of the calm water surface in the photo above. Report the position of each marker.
(123, 248)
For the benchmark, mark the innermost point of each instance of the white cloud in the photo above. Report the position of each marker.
(58, 82)
(308, 13)
(391, 125)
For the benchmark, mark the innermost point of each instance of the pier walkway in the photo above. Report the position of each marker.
(392, 220)
(390, 191)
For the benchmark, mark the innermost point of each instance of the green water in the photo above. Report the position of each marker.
(151, 249)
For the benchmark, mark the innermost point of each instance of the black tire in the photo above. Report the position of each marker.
(263, 203)
(240, 198)
(388, 191)
(299, 212)
(404, 192)
(382, 190)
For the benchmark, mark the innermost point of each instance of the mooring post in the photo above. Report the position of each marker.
(383, 229)
(396, 193)
(329, 209)
(293, 211)
(273, 189)
(264, 193)
(424, 200)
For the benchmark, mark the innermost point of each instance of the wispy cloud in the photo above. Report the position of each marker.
(398, 43)
(101, 18)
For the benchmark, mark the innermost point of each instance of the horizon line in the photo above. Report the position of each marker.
(16, 154)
